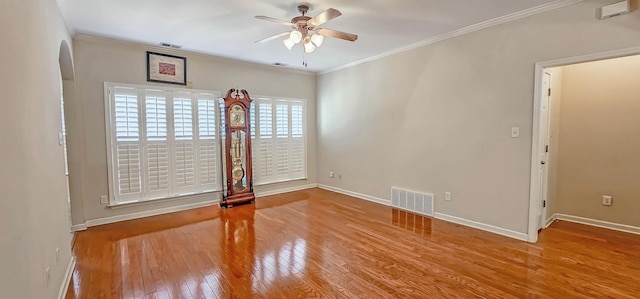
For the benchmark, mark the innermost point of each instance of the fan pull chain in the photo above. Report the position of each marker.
(304, 58)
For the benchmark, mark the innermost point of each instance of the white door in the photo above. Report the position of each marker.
(543, 151)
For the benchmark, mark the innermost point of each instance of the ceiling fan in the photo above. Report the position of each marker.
(307, 29)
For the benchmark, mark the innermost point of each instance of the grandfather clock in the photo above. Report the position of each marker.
(237, 149)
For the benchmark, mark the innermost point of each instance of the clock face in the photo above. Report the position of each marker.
(236, 116)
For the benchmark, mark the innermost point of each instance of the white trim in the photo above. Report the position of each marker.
(481, 226)
(537, 101)
(599, 223)
(475, 27)
(534, 187)
(356, 194)
(590, 57)
(551, 219)
(113, 219)
(62, 293)
(285, 190)
(79, 227)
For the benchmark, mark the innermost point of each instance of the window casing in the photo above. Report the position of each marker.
(161, 142)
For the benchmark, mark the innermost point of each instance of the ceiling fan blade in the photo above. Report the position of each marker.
(324, 17)
(268, 39)
(275, 20)
(337, 34)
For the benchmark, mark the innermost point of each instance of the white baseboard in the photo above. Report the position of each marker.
(481, 226)
(113, 219)
(445, 217)
(599, 223)
(551, 220)
(78, 227)
(67, 278)
(285, 190)
(356, 194)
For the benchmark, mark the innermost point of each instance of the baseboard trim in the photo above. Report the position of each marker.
(481, 226)
(62, 293)
(356, 194)
(599, 223)
(113, 219)
(551, 220)
(285, 190)
(79, 227)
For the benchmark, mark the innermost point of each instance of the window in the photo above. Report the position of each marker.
(163, 142)
(278, 140)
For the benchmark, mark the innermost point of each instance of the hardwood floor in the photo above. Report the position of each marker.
(315, 243)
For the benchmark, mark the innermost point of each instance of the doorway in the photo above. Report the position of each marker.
(538, 200)
(69, 137)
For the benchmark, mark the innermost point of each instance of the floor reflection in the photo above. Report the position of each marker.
(416, 223)
(239, 246)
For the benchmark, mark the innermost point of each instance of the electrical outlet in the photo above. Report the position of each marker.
(447, 196)
(606, 200)
(331, 174)
(104, 200)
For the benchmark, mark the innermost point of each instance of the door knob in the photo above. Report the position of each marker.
(543, 162)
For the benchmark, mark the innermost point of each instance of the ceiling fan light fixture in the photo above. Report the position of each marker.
(309, 46)
(317, 39)
(295, 36)
(289, 43)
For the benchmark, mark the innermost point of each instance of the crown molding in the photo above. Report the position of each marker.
(209, 57)
(462, 31)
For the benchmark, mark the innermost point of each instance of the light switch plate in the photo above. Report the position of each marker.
(515, 132)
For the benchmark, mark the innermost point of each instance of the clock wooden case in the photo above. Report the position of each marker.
(237, 149)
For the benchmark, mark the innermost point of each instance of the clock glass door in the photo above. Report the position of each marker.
(238, 160)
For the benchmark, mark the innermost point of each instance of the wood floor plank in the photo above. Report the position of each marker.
(319, 244)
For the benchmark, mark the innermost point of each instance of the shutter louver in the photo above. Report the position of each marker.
(126, 118)
(157, 167)
(185, 166)
(182, 119)
(156, 117)
(128, 163)
(207, 161)
(252, 119)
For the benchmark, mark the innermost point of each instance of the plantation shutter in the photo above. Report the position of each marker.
(282, 140)
(278, 140)
(184, 150)
(263, 159)
(296, 142)
(127, 142)
(207, 142)
(157, 144)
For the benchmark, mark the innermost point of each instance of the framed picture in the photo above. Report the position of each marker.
(166, 68)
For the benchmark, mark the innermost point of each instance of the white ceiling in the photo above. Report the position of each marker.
(228, 28)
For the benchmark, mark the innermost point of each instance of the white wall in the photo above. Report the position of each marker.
(438, 118)
(598, 153)
(34, 212)
(99, 60)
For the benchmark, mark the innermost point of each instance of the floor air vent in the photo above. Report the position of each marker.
(417, 202)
